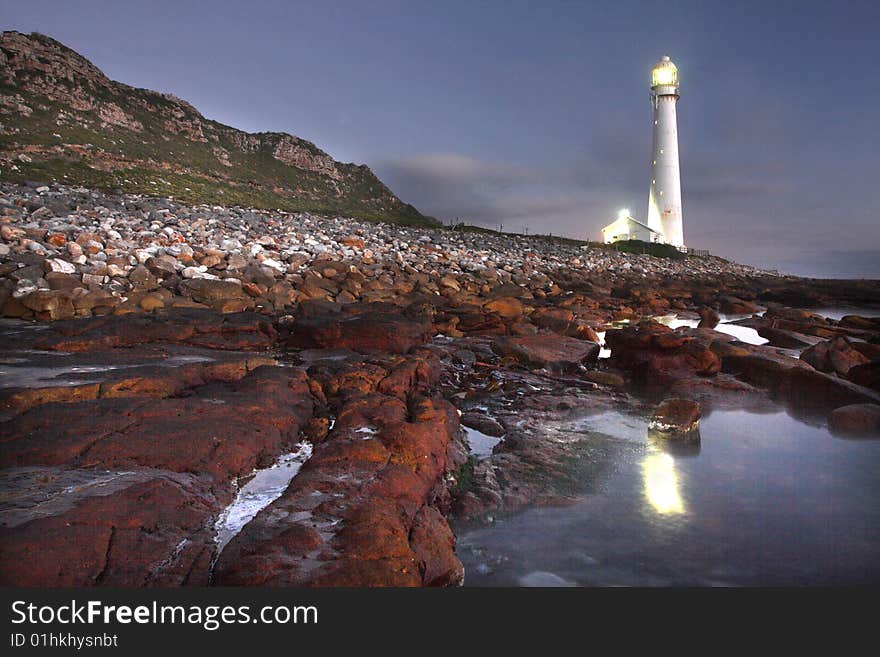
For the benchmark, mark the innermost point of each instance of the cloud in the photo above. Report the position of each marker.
(451, 185)
(754, 214)
(449, 168)
(551, 200)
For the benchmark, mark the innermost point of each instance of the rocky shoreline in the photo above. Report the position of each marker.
(155, 355)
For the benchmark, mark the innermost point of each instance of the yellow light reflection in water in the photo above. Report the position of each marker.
(661, 484)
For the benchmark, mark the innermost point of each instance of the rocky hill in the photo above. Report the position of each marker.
(62, 119)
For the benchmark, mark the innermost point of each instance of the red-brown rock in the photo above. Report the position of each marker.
(130, 529)
(547, 350)
(836, 355)
(359, 329)
(856, 420)
(655, 354)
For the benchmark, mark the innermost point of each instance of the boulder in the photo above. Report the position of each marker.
(50, 304)
(654, 354)
(860, 322)
(482, 423)
(189, 326)
(209, 291)
(809, 389)
(855, 420)
(837, 355)
(358, 328)
(677, 418)
(867, 375)
(781, 338)
(548, 350)
(255, 417)
(86, 527)
(508, 308)
(358, 512)
(735, 306)
(709, 317)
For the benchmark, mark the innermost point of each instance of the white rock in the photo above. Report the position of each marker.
(31, 245)
(59, 265)
(93, 279)
(274, 264)
(24, 288)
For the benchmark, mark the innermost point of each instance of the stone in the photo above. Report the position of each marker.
(161, 266)
(548, 350)
(860, 322)
(60, 266)
(855, 420)
(450, 283)
(731, 305)
(677, 418)
(867, 374)
(655, 355)
(359, 328)
(141, 278)
(152, 301)
(781, 338)
(50, 304)
(482, 423)
(188, 326)
(508, 308)
(812, 390)
(609, 379)
(709, 317)
(388, 534)
(107, 528)
(209, 291)
(836, 355)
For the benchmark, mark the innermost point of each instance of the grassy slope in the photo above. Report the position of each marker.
(185, 169)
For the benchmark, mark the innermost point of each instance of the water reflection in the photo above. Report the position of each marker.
(481, 445)
(742, 333)
(769, 500)
(661, 483)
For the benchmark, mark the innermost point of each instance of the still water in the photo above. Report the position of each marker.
(764, 500)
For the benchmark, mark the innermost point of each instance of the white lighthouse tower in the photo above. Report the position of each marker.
(664, 200)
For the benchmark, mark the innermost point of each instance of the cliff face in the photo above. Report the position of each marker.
(62, 119)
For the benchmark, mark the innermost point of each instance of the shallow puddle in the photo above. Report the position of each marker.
(481, 444)
(765, 499)
(263, 488)
(742, 333)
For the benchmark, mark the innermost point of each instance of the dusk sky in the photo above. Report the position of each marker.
(536, 114)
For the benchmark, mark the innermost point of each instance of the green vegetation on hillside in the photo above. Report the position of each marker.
(159, 145)
(650, 248)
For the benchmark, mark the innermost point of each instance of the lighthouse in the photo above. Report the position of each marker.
(664, 198)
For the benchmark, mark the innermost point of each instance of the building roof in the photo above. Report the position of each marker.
(635, 221)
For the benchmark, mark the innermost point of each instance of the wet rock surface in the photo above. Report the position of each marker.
(677, 418)
(548, 351)
(856, 420)
(154, 355)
